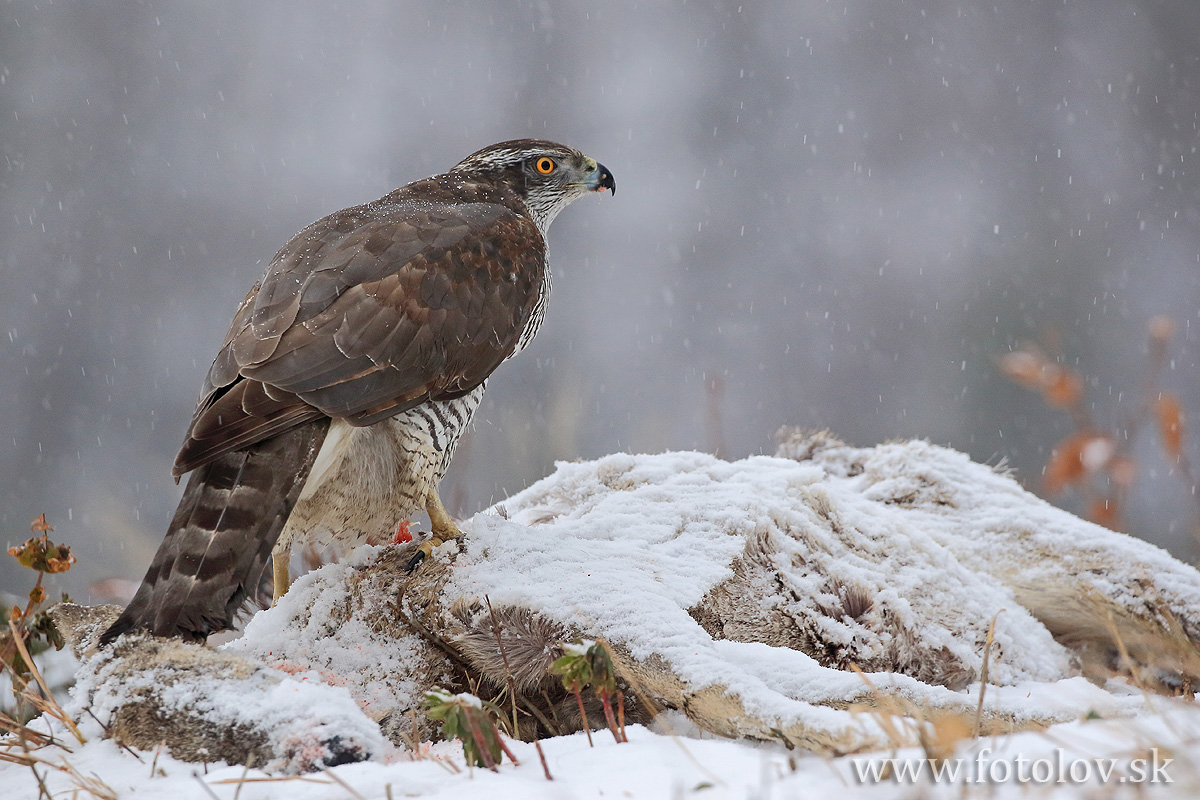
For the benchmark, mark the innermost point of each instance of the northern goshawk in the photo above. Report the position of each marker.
(351, 369)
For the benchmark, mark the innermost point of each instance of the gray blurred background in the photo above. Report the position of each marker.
(830, 215)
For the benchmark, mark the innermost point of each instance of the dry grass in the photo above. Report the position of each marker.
(45, 702)
(983, 675)
(938, 732)
(92, 784)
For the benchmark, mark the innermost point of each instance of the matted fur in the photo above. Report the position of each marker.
(1090, 602)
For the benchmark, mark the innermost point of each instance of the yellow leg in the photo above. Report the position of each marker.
(443, 527)
(279, 567)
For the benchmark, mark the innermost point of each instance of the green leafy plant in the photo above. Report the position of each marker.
(470, 720)
(589, 663)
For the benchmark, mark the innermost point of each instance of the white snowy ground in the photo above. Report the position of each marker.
(1066, 761)
(656, 511)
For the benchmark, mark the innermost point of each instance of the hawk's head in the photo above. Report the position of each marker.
(546, 175)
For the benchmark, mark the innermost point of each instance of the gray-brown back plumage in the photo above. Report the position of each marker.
(396, 305)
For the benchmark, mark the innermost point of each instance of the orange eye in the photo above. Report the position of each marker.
(544, 165)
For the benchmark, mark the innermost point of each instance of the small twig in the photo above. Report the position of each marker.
(108, 735)
(207, 789)
(271, 779)
(885, 712)
(713, 777)
(531, 709)
(92, 784)
(500, 741)
(415, 746)
(542, 757)
(609, 717)
(419, 628)
(344, 785)
(621, 714)
(23, 759)
(1111, 624)
(606, 672)
(242, 780)
(476, 732)
(983, 674)
(41, 704)
(56, 710)
(512, 684)
(27, 758)
(587, 728)
(410, 738)
(648, 704)
(42, 790)
(558, 727)
(448, 765)
(26, 734)
(154, 763)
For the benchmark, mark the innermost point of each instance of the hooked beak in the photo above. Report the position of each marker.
(604, 180)
(599, 178)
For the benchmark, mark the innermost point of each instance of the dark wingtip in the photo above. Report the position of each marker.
(122, 625)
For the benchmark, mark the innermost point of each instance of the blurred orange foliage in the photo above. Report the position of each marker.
(1096, 463)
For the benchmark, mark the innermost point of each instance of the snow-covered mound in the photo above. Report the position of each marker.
(208, 706)
(831, 599)
(746, 594)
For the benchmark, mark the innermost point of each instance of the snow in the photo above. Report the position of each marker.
(628, 547)
(301, 719)
(664, 765)
(294, 638)
(664, 529)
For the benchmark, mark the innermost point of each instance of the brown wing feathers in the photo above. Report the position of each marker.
(415, 304)
(364, 314)
(237, 418)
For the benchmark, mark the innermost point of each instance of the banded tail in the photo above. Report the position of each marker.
(220, 540)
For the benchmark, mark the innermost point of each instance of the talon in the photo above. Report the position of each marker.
(444, 529)
(426, 550)
(423, 552)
